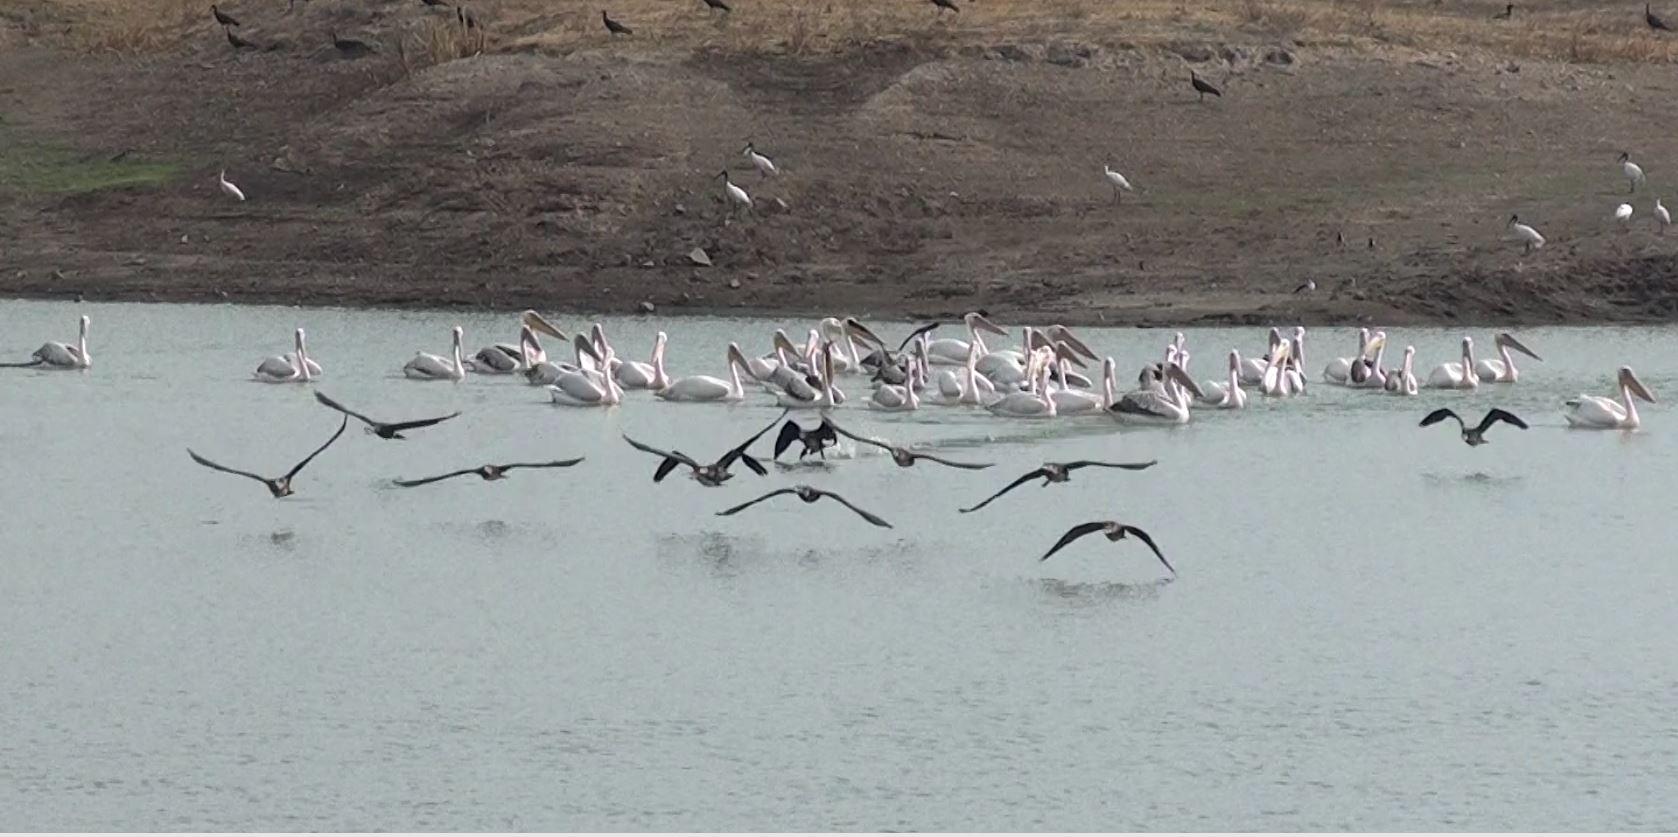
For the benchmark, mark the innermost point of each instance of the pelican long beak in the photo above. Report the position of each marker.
(1177, 374)
(536, 322)
(1628, 379)
(1375, 343)
(1065, 352)
(583, 345)
(1507, 339)
(784, 343)
(1065, 335)
(856, 329)
(983, 324)
(736, 356)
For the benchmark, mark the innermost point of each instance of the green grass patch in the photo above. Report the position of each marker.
(36, 168)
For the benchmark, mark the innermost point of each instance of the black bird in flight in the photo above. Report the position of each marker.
(815, 441)
(222, 17)
(1115, 532)
(615, 27)
(1203, 87)
(711, 475)
(490, 472)
(277, 486)
(1476, 435)
(383, 430)
(1653, 21)
(808, 495)
(1060, 472)
(903, 456)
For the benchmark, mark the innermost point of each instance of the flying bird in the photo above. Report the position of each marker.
(383, 430)
(615, 27)
(1060, 472)
(490, 472)
(277, 486)
(222, 17)
(815, 441)
(1475, 436)
(711, 475)
(808, 495)
(1115, 532)
(903, 456)
(1203, 87)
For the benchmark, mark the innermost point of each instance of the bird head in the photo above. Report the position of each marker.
(1625, 156)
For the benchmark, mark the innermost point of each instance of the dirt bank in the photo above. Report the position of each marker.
(921, 175)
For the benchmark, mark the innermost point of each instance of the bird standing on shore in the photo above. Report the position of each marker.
(1653, 21)
(227, 187)
(764, 165)
(222, 17)
(736, 195)
(1622, 214)
(1528, 236)
(1476, 435)
(1203, 87)
(1118, 182)
(615, 27)
(1632, 171)
(1661, 215)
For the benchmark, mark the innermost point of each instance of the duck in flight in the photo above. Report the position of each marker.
(277, 486)
(815, 441)
(1476, 435)
(489, 472)
(383, 430)
(1061, 472)
(1115, 532)
(903, 456)
(808, 495)
(711, 475)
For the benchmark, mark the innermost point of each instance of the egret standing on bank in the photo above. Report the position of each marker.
(227, 187)
(1120, 184)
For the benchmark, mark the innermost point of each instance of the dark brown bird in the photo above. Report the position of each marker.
(815, 441)
(615, 27)
(383, 430)
(222, 17)
(435, 3)
(808, 495)
(946, 4)
(1203, 87)
(711, 475)
(238, 42)
(280, 486)
(490, 472)
(1507, 13)
(1060, 472)
(351, 47)
(1115, 532)
(718, 5)
(1653, 21)
(1475, 436)
(466, 18)
(903, 456)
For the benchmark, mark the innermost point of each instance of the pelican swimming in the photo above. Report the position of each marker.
(1164, 401)
(429, 367)
(547, 372)
(1340, 368)
(1530, 239)
(899, 398)
(1502, 370)
(53, 355)
(705, 387)
(1366, 371)
(1033, 402)
(1403, 382)
(634, 374)
(1071, 402)
(953, 352)
(297, 367)
(580, 389)
(1598, 413)
(1456, 375)
(1252, 368)
(505, 359)
(822, 393)
(1227, 395)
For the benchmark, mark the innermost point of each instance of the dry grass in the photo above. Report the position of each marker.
(1576, 31)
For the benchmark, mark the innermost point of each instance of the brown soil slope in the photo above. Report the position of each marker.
(924, 171)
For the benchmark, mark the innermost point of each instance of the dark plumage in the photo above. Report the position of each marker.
(903, 456)
(946, 4)
(718, 5)
(238, 42)
(435, 3)
(711, 475)
(815, 441)
(383, 430)
(1060, 472)
(615, 27)
(1115, 532)
(1653, 21)
(1476, 435)
(351, 47)
(1203, 87)
(1507, 13)
(489, 472)
(808, 495)
(277, 486)
(222, 17)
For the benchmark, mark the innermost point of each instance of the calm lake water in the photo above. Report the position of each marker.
(1375, 626)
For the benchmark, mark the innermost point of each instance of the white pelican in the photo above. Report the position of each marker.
(1276, 383)
(1661, 215)
(1456, 375)
(1622, 214)
(1293, 370)
(1164, 401)
(507, 358)
(737, 196)
(283, 369)
(953, 352)
(582, 390)
(1071, 402)
(1118, 182)
(1367, 372)
(1595, 412)
(900, 398)
(965, 387)
(633, 374)
(1502, 370)
(1029, 403)
(429, 367)
(61, 355)
(705, 387)
(1403, 382)
(764, 165)
(1227, 395)
(846, 357)
(1339, 369)
(1252, 368)
(227, 187)
(1632, 171)
(1529, 237)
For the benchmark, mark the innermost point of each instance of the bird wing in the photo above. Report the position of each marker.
(971, 466)
(740, 449)
(871, 518)
(395, 427)
(752, 463)
(448, 476)
(223, 468)
(852, 436)
(557, 463)
(1073, 534)
(749, 503)
(790, 432)
(669, 456)
(299, 466)
(1496, 415)
(1145, 538)
(1010, 487)
(919, 330)
(1128, 466)
(1440, 415)
(328, 401)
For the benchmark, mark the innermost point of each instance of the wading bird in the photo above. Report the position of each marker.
(227, 187)
(903, 456)
(1117, 181)
(1475, 436)
(737, 196)
(1060, 472)
(1632, 171)
(383, 430)
(808, 495)
(1115, 532)
(1203, 87)
(1530, 239)
(1663, 217)
(1622, 214)
(277, 486)
(764, 165)
(615, 27)
(489, 472)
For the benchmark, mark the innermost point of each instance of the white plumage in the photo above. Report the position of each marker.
(764, 165)
(1526, 234)
(227, 186)
(1661, 215)
(736, 195)
(1632, 171)
(1622, 213)
(1118, 181)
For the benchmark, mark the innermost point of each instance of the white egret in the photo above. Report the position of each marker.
(227, 186)
(1118, 182)
(1622, 214)
(1661, 215)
